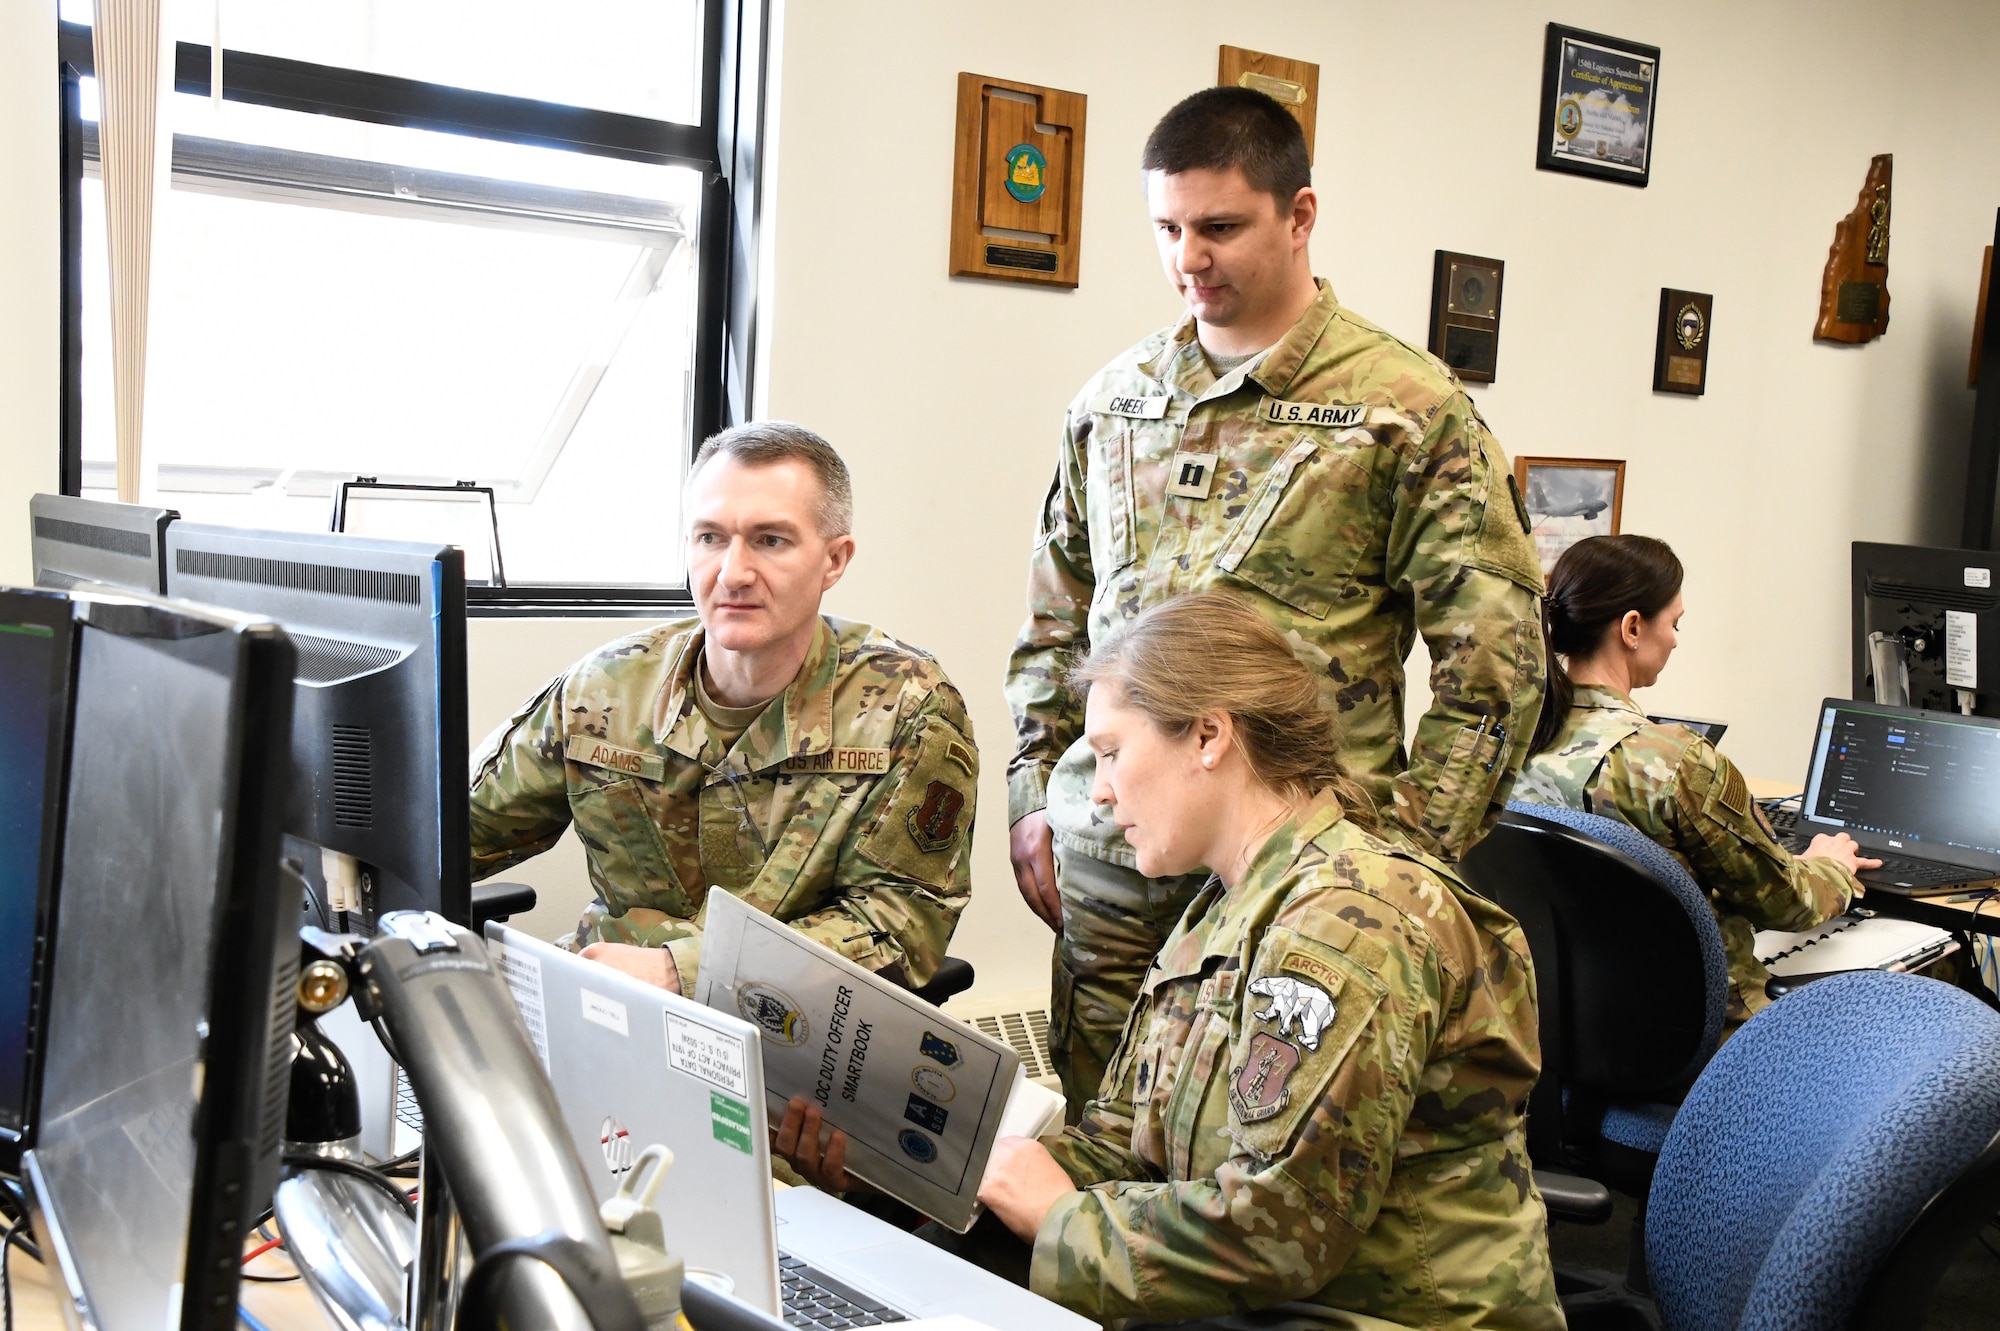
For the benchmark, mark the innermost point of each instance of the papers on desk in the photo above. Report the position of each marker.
(920, 1096)
(1853, 943)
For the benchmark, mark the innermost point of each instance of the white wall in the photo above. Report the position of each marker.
(30, 346)
(946, 394)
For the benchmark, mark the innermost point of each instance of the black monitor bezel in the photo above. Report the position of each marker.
(35, 605)
(248, 918)
(1808, 824)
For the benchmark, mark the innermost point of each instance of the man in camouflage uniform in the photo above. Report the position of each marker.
(1316, 1115)
(819, 769)
(1275, 443)
(1672, 786)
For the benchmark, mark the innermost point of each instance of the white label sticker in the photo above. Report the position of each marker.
(714, 1056)
(606, 1012)
(524, 981)
(1979, 577)
(1961, 649)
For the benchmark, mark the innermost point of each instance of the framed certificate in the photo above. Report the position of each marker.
(1598, 98)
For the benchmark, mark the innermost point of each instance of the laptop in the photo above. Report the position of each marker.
(1918, 790)
(633, 1065)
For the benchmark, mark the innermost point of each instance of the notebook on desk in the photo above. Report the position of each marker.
(1918, 790)
(1852, 942)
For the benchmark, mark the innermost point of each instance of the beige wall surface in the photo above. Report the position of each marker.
(946, 394)
(29, 270)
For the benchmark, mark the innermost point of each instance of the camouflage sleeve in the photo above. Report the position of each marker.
(905, 871)
(520, 788)
(1729, 846)
(1459, 544)
(1098, 1148)
(1279, 1219)
(1047, 719)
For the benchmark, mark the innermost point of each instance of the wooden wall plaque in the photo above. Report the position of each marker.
(1854, 290)
(1293, 84)
(1017, 182)
(1465, 314)
(1680, 352)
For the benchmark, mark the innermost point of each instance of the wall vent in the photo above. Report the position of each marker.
(1019, 1021)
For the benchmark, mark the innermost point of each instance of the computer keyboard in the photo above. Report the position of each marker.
(814, 1298)
(1902, 872)
(1784, 820)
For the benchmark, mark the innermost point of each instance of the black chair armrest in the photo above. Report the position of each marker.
(1780, 985)
(499, 901)
(954, 976)
(1582, 1200)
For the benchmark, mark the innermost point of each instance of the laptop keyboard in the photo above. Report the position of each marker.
(814, 1298)
(1900, 872)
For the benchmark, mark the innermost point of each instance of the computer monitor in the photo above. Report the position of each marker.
(94, 540)
(1926, 628)
(379, 746)
(35, 654)
(172, 980)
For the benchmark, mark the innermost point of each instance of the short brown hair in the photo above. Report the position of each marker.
(1218, 128)
(765, 443)
(1206, 652)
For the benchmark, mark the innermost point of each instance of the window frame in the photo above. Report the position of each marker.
(724, 146)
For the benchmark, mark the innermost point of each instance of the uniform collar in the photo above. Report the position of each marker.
(798, 721)
(1216, 924)
(1180, 364)
(1602, 697)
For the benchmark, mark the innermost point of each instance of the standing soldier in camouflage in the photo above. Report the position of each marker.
(819, 769)
(1276, 443)
(1315, 1117)
(1614, 613)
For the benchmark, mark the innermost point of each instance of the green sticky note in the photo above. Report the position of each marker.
(730, 1134)
(729, 1108)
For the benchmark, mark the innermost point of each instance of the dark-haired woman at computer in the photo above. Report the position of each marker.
(1613, 616)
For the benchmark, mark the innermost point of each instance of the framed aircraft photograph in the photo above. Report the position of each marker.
(1568, 499)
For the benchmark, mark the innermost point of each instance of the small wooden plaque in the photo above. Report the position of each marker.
(1017, 182)
(1854, 290)
(1465, 314)
(1680, 353)
(1293, 84)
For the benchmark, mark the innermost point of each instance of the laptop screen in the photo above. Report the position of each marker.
(1923, 782)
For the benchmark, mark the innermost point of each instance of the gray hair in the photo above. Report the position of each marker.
(765, 443)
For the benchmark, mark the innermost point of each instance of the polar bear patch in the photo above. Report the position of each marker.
(1295, 1001)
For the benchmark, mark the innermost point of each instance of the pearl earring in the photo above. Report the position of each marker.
(1208, 760)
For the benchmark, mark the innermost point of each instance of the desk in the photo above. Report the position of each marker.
(1981, 915)
(286, 1307)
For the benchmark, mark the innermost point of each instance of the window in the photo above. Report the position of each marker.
(359, 274)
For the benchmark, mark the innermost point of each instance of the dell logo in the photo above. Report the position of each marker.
(617, 1144)
(1896, 844)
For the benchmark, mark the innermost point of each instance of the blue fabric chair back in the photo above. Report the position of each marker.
(1811, 1142)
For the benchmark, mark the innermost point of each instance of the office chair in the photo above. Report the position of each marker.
(1831, 1161)
(1631, 977)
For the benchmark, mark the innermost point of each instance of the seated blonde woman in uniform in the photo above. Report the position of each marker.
(1613, 616)
(1314, 1117)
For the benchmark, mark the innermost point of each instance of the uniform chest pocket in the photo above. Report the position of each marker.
(1193, 1147)
(1306, 530)
(1108, 498)
(615, 823)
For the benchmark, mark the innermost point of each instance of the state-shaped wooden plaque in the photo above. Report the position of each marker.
(1017, 182)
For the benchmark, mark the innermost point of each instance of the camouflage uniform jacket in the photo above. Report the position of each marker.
(846, 807)
(1318, 1103)
(1345, 485)
(1670, 784)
